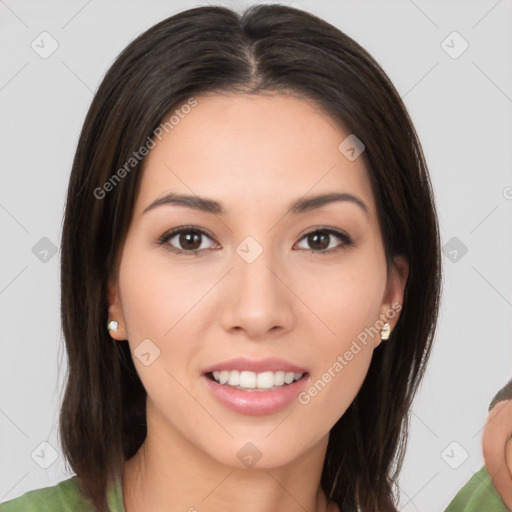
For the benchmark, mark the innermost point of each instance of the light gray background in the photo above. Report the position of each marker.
(461, 108)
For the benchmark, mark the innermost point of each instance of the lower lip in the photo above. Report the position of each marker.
(255, 403)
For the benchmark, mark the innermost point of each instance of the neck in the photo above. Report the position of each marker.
(169, 474)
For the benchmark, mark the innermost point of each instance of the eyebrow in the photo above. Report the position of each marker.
(211, 206)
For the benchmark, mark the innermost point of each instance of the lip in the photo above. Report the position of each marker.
(270, 364)
(256, 403)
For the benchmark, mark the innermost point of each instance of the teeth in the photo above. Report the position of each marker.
(251, 380)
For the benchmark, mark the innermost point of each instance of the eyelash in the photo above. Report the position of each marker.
(345, 239)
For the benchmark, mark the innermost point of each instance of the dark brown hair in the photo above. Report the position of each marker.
(215, 49)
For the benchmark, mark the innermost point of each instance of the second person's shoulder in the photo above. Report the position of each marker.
(63, 497)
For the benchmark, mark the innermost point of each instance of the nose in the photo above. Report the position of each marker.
(258, 299)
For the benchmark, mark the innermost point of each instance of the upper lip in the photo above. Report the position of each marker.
(271, 364)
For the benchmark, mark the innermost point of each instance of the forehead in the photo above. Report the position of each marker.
(250, 150)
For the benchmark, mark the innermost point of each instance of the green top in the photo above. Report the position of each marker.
(478, 495)
(63, 497)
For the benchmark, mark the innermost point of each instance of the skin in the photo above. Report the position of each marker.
(255, 155)
(497, 449)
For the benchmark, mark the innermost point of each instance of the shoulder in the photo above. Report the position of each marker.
(63, 497)
(477, 495)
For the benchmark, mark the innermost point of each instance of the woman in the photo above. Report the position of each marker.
(250, 213)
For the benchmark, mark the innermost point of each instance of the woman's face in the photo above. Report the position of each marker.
(265, 281)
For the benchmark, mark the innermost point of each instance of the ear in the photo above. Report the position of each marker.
(115, 311)
(394, 294)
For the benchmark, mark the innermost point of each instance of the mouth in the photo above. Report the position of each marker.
(257, 394)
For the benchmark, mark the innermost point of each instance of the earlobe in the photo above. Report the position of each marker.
(116, 324)
(393, 298)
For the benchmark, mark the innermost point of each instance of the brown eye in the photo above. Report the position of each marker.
(320, 240)
(185, 240)
(189, 240)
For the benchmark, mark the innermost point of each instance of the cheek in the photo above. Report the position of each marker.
(160, 311)
(156, 296)
(346, 297)
(158, 307)
(347, 303)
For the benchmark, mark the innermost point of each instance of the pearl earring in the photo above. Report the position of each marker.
(112, 326)
(385, 332)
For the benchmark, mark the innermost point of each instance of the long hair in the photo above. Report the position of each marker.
(215, 49)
